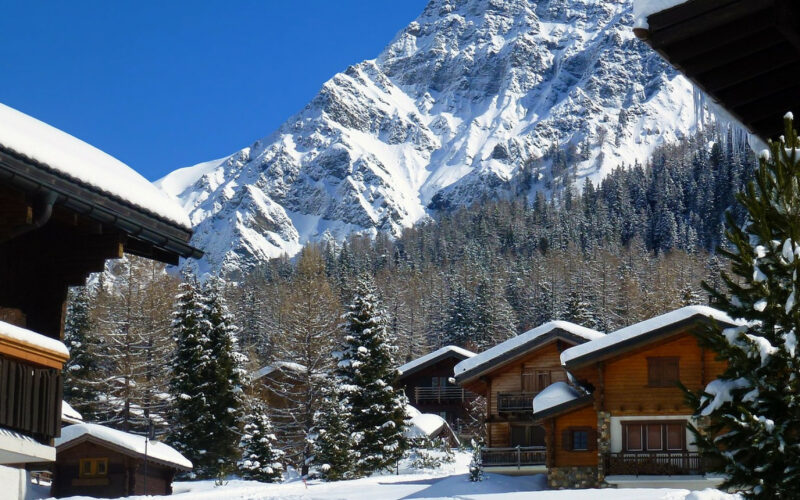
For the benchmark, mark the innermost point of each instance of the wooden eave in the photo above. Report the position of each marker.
(486, 369)
(33, 354)
(431, 362)
(148, 235)
(744, 54)
(627, 346)
(120, 449)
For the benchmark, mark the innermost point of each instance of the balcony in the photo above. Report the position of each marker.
(512, 402)
(518, 456)
(662, 463)
(442, 394)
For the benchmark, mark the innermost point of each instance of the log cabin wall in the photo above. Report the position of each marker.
(562, 454)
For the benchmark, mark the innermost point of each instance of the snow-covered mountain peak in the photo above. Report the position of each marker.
(474, 99)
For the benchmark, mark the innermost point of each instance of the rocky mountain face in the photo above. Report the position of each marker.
(475, 99)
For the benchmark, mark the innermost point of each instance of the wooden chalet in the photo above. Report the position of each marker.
(744, 54)
(65, 207)
(509, 376)
(623, 421)
(427, 384)
(97, 461)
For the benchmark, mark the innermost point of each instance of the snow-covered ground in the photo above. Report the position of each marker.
(450, 482)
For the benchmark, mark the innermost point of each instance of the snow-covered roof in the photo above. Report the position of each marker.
(555, 395)
(642, 9)
(638, 331)
(83, 163)
(69, 414)
(434, 356)
(279, 365)
(156, 450)
(522, 343)
(424, 425)
(34, 340)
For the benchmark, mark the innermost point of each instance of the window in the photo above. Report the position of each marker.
(654, 436)
(527, 435)
(579, 439)
(662, 372)
(93, 467)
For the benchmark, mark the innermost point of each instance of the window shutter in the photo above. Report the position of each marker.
(566, 440)
(591, 444)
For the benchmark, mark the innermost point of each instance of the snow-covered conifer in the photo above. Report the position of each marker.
(365, 371)
(261, 460)
(81, 372)
(334, 453)
(752, 412)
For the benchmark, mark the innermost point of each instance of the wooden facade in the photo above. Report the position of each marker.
(634, 395)
(97, 469)
(430, 390)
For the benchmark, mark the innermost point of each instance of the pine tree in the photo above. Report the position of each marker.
(223, 377)
(365, 373)
(334, 450)
(82, 370)
(260, 460)
(190, 416)
(752, 411)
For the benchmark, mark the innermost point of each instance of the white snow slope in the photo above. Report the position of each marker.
(462, 105)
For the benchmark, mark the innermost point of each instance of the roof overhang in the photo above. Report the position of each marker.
(17, 448)
(744, 54)
(565, 407)
(120, 449)
(148, 235)
(642, 340)
(517, 353)
(432, 361)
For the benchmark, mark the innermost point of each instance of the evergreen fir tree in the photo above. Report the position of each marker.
(365, 373)
(334, 452)
(81, 372)
(752, 412)
(260, 460)
(223, 377)
(190, 417)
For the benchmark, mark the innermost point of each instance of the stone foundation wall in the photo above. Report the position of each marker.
(571, 477)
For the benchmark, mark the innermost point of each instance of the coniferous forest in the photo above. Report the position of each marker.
(603, 255)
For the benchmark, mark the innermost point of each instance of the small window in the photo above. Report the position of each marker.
(580, 440)
(93, 467)
(662, 372)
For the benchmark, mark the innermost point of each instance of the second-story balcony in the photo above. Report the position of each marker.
(513, 402)
(442, 394)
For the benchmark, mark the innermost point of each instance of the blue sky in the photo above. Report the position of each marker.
(162, 85)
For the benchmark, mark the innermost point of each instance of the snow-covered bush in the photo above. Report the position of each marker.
(430, 453)
(476, 465)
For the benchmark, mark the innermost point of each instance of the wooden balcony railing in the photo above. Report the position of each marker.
(515, 401)
(666, 463)
(517, 456)
(442, 394)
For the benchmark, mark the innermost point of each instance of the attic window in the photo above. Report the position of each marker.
(93, 467)
(662, 371)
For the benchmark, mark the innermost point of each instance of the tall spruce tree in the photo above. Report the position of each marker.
(190, 416)
(365, 372)
(82, 370)
(752, 412)
(223, 377)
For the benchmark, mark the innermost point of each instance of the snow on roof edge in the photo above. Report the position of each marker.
(642, 9)
(33, 339)
(70, 414)
(278, 365)
(156, 450)
(642, 327)
(555, 394)
(414, 363)
(515, 342)
(73, 158)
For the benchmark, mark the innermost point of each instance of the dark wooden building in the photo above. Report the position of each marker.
(97, 461)
(745, 54)
(426, 382)
(65, 207)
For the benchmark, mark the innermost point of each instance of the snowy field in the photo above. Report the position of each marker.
(450, 482)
